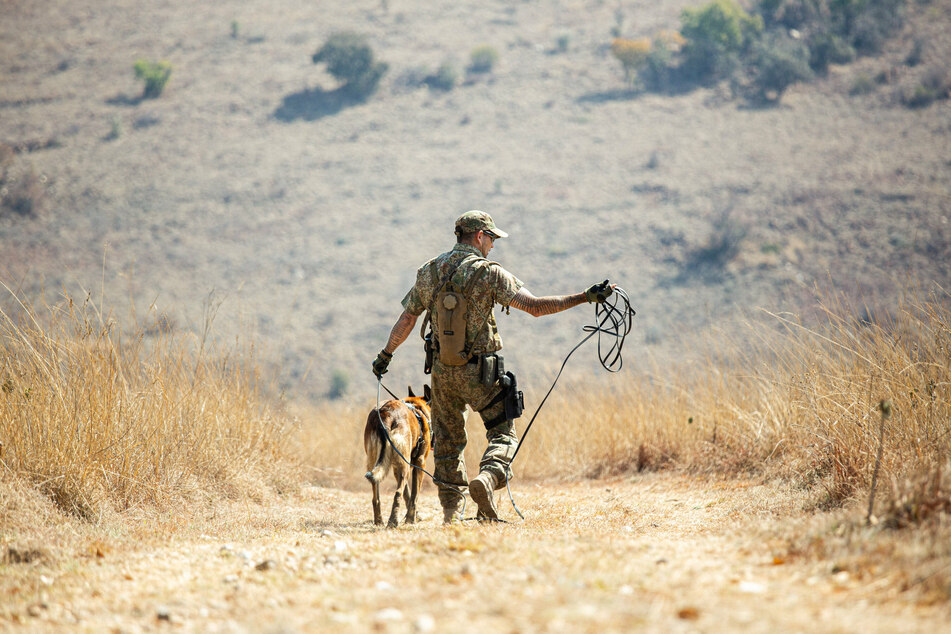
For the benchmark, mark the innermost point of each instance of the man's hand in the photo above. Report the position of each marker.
(599, 292)
(381, 362)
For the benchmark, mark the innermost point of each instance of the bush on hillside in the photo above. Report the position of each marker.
(659, 69)
(827, 48)
(154, 74)
(445, 77)
(482, 59)
(777, 62)
(935, 84)
(716, 35)
(350, 60)
(875, 23)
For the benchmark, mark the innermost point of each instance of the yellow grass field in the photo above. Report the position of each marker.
(149, 470)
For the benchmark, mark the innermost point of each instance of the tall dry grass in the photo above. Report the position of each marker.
(97, 419)
(797, 400)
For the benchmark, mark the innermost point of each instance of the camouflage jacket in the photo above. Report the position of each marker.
(493, 285)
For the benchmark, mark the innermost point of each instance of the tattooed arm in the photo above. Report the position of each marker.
(404, 325)
(538, 306)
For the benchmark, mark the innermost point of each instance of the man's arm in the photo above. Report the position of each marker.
(538, 306)
(401, 330)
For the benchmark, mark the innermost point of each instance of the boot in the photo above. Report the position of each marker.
(482, 492)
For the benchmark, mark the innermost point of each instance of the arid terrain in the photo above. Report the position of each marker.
(304, 224)
(191, 300)
(658, 553)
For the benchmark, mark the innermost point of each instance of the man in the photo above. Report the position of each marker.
(464, 370)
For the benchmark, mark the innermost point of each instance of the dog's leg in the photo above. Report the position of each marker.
(417, 481)
(409, 497)
(400, 490)
(377, 508)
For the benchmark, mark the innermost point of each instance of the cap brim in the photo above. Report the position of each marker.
(498, 232)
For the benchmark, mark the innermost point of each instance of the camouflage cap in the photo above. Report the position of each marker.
(476, 220)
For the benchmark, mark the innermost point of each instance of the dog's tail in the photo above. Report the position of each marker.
(379, 452)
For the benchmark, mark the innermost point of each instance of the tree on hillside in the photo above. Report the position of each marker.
(349, 58)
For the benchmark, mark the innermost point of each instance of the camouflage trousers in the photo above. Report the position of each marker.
(454, 387)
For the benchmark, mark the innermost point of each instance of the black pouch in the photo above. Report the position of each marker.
(428, 349)
(514, 400)
(491, 369)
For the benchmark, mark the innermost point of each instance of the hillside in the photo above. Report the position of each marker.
(235, 196)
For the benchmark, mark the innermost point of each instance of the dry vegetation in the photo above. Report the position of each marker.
(802, 459)
(102, 422)
(138, 440)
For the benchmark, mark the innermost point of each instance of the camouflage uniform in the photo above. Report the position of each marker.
(456, 386)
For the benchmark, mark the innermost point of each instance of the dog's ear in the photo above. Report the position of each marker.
(427, 393)
(410, 389)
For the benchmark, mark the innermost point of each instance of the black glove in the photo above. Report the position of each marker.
(380, 364)
(599, 292)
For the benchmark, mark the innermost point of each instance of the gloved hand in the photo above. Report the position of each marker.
(599, 292)
(381, 362)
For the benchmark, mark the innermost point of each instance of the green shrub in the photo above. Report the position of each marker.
(792, 14)
(935, 84)
(444, 78)
(482, 59)
(827, 48)
(777, 63)
(154, 74)
(716, 33)
(657, 68)
(350, 60)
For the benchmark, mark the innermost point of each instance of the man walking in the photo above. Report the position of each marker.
(460, 289)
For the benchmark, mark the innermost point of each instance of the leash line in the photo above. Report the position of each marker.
(615, 322)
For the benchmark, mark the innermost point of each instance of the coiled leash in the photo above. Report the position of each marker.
(615, 320)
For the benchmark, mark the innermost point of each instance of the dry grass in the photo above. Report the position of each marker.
(99, 420)
(796, 401)
(93, 417)
(161, 442)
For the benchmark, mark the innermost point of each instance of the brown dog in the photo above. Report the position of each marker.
(407, 424)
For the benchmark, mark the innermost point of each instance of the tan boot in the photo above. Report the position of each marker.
(482, 492)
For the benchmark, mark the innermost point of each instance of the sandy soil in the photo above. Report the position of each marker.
(649, 553)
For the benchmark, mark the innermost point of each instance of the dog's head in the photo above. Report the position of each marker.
(427, 396)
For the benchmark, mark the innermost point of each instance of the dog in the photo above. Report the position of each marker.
(407, 423)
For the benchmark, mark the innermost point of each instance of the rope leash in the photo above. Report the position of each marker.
(610, 320)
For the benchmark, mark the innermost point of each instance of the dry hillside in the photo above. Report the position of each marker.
(238, 195)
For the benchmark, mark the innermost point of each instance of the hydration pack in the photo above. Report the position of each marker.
(451, 310)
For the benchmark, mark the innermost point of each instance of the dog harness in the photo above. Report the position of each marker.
(418, 449)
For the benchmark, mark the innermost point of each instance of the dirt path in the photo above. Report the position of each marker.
(652, 553)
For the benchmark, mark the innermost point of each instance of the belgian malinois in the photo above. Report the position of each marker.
(406, 422)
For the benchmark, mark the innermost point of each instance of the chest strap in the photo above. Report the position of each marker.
(420, 443)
